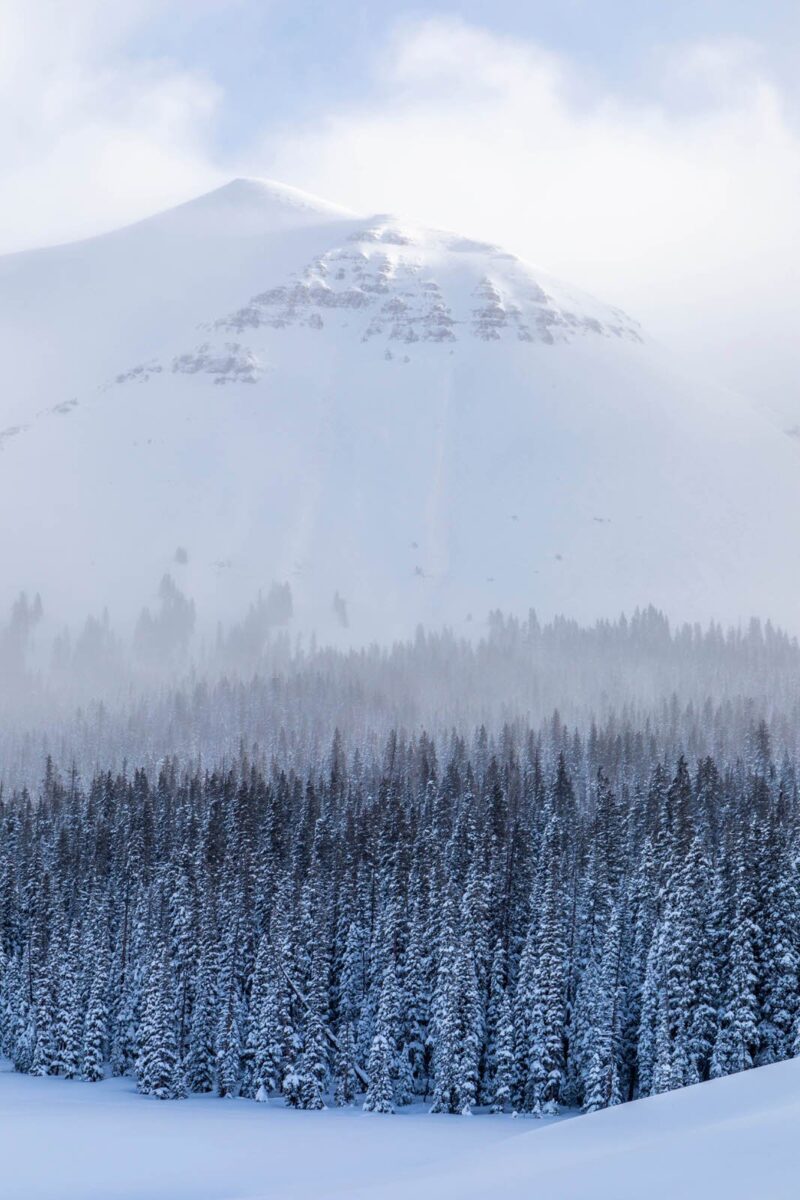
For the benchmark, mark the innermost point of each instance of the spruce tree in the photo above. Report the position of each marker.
(95, 1033)
(502, 1074)
(158, 1068)
(312, 1068)
(382, 1062)
(347, 1082)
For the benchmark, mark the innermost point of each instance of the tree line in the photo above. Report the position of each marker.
(522, 922)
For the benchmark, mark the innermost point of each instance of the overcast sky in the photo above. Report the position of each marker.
(648, 151)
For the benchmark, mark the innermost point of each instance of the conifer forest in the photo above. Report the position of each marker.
(516, 916)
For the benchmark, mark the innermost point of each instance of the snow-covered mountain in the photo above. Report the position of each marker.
(260, 386)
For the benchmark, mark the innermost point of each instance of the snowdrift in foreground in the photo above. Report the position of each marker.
(258, 386)
(733, 1139)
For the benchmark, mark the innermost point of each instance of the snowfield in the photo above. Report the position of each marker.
(732, 1139)
(257, 386)
(64, 1140)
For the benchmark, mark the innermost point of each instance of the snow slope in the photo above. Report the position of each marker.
(416, 421)
(733, 1139)
(730, 1139)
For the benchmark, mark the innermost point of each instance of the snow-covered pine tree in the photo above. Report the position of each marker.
(95, 1032)
(502, 1075)
(382, 1062)
(229, 1046)
(200, 1063)
(44, 1060)
(312, 1068)
(68, 1031)
(445, 1016)
(737, 1040)
(347, 1081)
(269, 1023)
(601, 1083)
(158, 1067)
(780, 950)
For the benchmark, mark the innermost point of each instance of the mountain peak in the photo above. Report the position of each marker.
(276, 203)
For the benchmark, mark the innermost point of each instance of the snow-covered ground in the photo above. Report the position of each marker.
(733, 1139)
(69, 1140)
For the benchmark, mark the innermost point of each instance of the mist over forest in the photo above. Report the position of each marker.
(98, 697)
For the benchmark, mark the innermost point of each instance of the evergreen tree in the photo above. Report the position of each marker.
(95, 1034)
(501, 1089)
(268, 1024)
(158, 1069)
(44, 1060)
(313, 1064)
(347, 1082)
(382, 1066)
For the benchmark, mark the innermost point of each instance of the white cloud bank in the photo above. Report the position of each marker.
(90, 136)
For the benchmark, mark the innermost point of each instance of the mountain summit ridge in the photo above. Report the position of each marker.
(268, 194)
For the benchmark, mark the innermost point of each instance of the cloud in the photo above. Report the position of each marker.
(90, 135)
(682, 209)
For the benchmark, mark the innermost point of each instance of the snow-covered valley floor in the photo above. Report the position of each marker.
(734, 1139)
(69, 1140)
